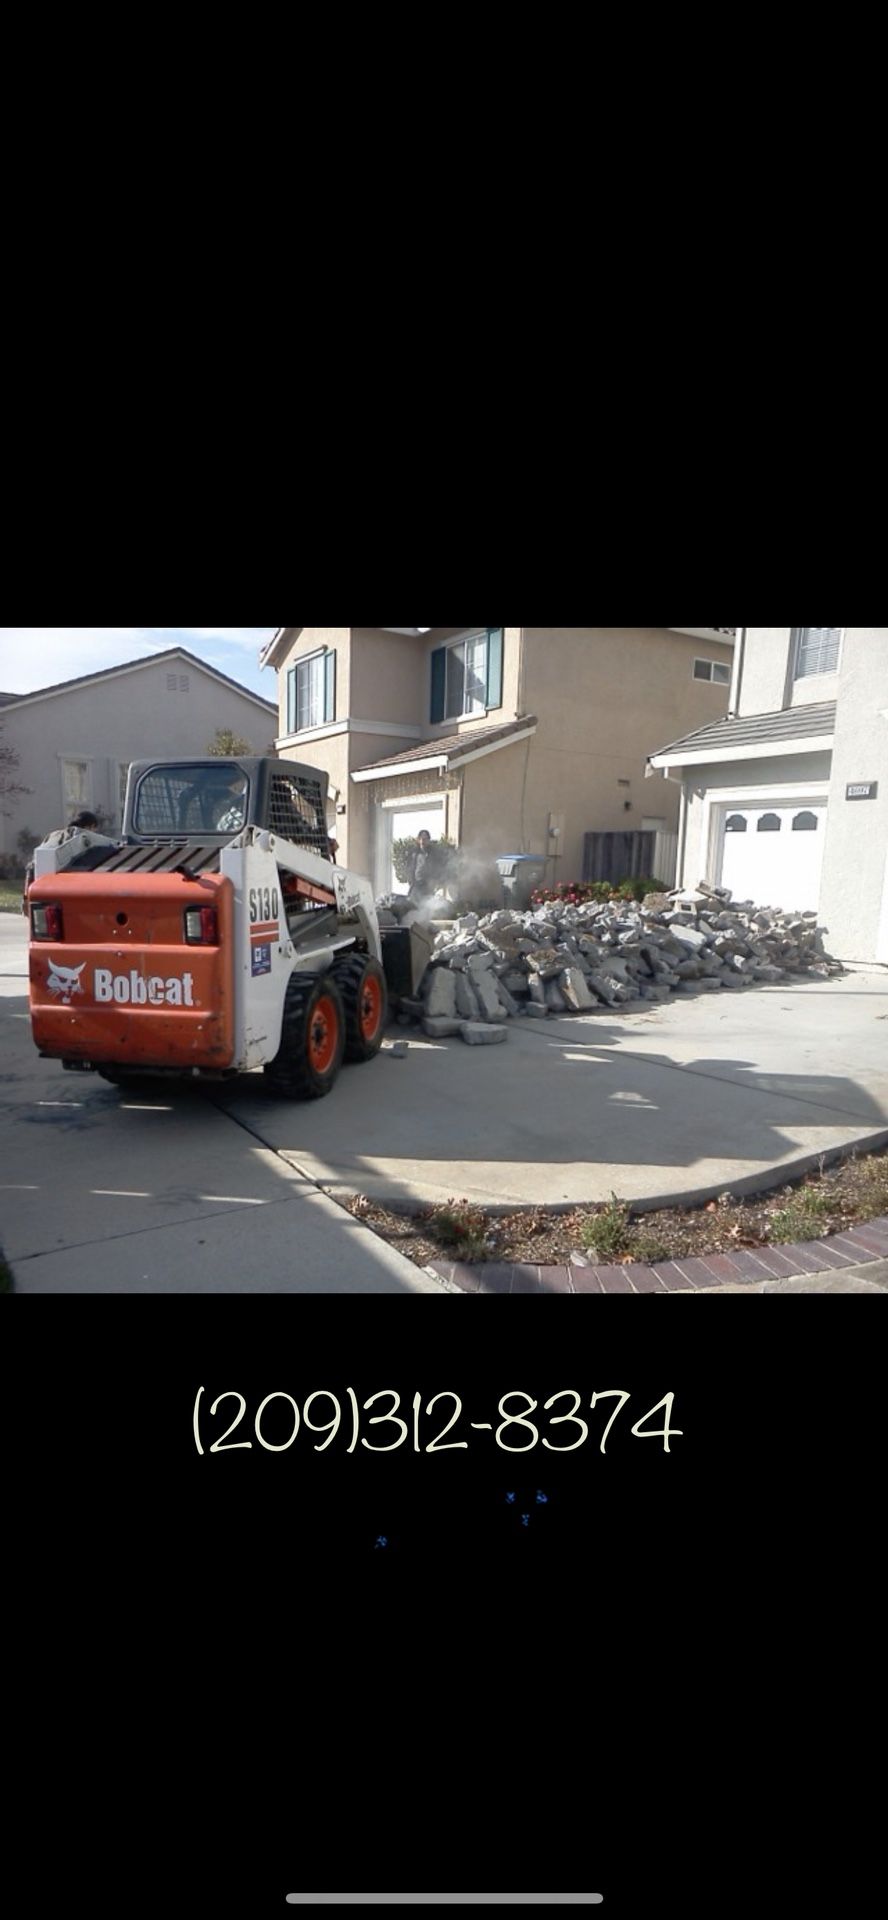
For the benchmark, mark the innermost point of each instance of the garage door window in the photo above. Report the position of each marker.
(805, 823)
(735, 823)
(769, 823)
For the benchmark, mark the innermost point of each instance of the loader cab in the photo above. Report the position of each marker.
(210, 800)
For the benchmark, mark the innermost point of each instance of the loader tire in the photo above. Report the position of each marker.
(312, 1039)
(361, 983)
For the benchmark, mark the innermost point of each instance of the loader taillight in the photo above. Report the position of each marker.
(202, 926)
(46, 922)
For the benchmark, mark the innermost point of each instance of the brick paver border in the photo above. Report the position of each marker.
(747, 1264)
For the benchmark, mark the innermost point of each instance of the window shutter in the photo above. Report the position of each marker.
(439, 668)
(494, 666)
(291, 700)
(330, 686)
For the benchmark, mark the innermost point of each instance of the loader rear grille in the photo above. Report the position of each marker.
(160, 858)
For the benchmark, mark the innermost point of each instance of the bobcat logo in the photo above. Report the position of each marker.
(65, 980)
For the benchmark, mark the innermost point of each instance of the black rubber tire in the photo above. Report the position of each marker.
(352, 973)
(294, 1074)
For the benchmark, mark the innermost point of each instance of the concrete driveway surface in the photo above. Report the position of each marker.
(101, 1192)
(676, 1102)
(225, 1190)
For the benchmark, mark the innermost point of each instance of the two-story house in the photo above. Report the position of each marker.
(785, 800)
(504, 740)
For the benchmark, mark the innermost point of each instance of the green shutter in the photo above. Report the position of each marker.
(330, 687)
(291, 700)
(494, 666)
(439, 669)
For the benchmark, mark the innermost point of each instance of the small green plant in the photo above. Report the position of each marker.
(606, 1231)
(803, 1218)
(461, 1228)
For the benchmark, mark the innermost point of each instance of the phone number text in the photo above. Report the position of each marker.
(516, 1432)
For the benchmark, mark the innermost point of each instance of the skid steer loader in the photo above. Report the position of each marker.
(215, 936)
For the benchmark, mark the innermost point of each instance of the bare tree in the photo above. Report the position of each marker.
(225, 743)
(10, 787)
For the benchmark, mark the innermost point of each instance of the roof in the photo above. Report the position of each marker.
(452, 748)
(130, 666)
(757, 730)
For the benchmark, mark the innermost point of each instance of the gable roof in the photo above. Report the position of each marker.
(793, 728)
(451, 750)
(133, 666)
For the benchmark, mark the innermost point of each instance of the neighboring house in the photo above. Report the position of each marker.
(786, 800)
(75, 741)
(503, 739)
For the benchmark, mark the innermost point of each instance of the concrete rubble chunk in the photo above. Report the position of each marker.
(441, 997)
(476, 1035)
(576, 955)
(439, 1028)
(575, 990)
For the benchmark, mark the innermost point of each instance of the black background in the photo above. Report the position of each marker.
(654, 1691)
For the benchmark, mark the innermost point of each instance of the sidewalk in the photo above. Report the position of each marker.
(854, 1262)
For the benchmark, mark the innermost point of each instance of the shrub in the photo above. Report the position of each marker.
(606, 1231)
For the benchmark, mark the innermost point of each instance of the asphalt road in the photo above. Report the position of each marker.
(161, 1192)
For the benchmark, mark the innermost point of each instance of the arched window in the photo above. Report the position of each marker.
(769, 823)
(735, 823)
(804, 823)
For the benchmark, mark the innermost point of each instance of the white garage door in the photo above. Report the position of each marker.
(773, 854)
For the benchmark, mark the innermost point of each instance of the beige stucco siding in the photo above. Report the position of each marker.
(606, 698)
(388, 679)
(856, 846)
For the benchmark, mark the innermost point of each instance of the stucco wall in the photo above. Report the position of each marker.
(766, 682)
(606, 698)
(388, 679)
(856, 845)
(122, 716)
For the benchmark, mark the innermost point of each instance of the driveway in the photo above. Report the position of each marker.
(169, 1193)
(675, 1102)
(224, 1190)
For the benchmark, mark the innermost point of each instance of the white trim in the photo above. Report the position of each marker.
(310, 734)
(718, 799)
(400, 767)
(764, 750)
(351, 725)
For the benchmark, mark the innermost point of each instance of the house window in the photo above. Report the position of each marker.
(769, 823)
(817, 650)
(76, 785)
(311, 692)
(712, 670)
(467, 676)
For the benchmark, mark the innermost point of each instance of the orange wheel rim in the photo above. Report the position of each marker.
(371, 1007)
(323, 1035)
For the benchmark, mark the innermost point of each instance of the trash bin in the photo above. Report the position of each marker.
(520, 873)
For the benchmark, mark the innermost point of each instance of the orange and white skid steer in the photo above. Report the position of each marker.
(214, 936)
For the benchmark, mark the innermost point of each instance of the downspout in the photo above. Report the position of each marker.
(682, 835)
(736, 675)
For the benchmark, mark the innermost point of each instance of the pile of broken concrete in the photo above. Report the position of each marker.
(562, 958)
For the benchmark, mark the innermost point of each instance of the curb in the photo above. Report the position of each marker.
(694, 1275)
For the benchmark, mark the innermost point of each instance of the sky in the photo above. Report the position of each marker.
(35, 657)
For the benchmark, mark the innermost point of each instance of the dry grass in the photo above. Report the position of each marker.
(829, 1201)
